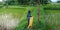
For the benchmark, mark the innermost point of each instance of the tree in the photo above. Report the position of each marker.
(15, 2)
(23, 1)
(44, 1)
(58, 1)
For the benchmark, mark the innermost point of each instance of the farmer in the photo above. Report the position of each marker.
(30, 22)
(28, 16)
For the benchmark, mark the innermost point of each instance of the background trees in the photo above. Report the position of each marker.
(25, 2)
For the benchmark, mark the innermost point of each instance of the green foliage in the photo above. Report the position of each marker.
(52, 21)
(17, 12)
(26, 2)
(52, 16)
(58, 1)
(37, 25)
(44, 1)
(52, 7)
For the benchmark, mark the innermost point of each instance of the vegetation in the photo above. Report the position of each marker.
(49, 13)
(52, 7)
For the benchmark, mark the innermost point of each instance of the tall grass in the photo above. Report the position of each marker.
(16, 13)
(7, 22)
(52, 19)
(37, 25)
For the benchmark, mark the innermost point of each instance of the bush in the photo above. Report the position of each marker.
(52, 7)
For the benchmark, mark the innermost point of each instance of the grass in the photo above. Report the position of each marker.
(23, 22)
(53, 16)
(17, 12)
(52, 19)
(37, 25)
(21, 12)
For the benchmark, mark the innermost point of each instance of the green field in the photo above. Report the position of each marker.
(49, 19)
(21, 12)
(52, 18)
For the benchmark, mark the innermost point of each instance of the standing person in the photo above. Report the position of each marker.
(30, 22)
(28, 16)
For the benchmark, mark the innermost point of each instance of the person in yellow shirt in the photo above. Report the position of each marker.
(30, 19)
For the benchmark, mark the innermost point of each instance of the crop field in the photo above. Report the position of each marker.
(52, 17)
(10, 15)
(16, 17)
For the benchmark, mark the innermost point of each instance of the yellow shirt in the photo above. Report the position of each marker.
(30, 22)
